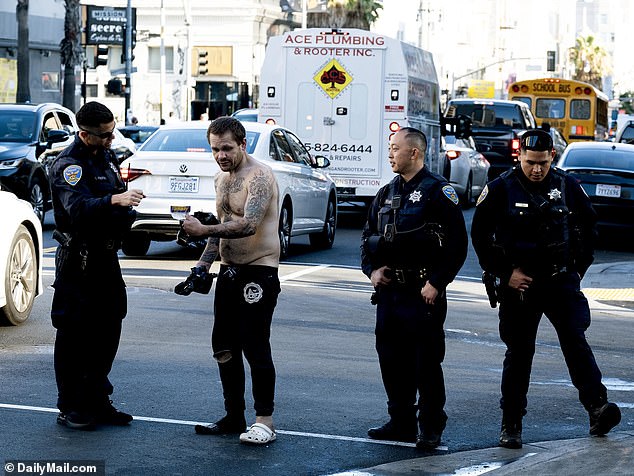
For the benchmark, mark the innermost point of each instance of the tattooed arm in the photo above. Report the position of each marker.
(239, 218)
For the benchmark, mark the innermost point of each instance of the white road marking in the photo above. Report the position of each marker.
(10, 406)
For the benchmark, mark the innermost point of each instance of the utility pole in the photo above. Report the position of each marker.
(162, 73)
(129, 31)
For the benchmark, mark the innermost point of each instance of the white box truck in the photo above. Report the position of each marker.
(344, 92)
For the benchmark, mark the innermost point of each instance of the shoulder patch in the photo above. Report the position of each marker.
(483, 195)
(451, 194)
(72, 174)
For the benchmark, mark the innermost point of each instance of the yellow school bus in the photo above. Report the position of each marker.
(577, 109)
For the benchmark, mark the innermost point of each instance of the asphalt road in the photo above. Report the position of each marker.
(328, 382)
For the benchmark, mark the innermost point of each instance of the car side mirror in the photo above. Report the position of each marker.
(56, 135)
(320, 162)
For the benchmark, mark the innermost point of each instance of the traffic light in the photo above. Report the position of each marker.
(550, 61)
(114, 86)
(132, 43)
(202, 62)
(101, 55)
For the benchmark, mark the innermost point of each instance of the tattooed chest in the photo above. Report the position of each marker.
(231, 196)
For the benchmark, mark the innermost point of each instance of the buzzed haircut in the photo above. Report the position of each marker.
(415, 137)
(93, 114)
(223, 124)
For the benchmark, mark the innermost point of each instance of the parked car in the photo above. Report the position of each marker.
(122, 146)
(20, 259)
(498, 124)
(246, 115)
(626, 133)
(606, 173)
(465, 167)
(138, 134)
(559, 143)
(31, 135)
(175, 169)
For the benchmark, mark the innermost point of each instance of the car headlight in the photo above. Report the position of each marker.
(11, 163)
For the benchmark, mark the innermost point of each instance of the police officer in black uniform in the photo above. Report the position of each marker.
(533, 230)
(413, 245)
(93, 211)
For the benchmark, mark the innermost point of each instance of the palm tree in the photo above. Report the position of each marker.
(23, 93)
(590, 61)
(346, 14)
(71, 51)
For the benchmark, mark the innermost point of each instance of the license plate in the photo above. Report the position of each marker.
(184, 184)
(603, 190)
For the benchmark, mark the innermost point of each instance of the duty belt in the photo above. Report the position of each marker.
(410, 277)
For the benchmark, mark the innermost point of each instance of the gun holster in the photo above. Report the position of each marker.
(490, 282)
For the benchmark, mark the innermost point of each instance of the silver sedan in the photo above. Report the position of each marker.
(175, 169)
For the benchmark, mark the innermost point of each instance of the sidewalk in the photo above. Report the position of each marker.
(597, 456)
(611, 284)
(607, 286)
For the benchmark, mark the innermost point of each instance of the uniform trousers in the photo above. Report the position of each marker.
(87, 311)
(560, 299)
(245, 299)
(410, 342)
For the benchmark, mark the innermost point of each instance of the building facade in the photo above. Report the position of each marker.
(46, 29)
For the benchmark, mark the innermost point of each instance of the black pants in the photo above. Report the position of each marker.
(82, 364)
(410, 342)
(245, 299)
(561, 300)
(88, 307)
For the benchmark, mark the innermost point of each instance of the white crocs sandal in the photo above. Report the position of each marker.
(258, 434)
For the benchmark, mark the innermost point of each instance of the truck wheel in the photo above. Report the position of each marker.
(285, 227)
(136, 243)
(20, 279)
(325, 239)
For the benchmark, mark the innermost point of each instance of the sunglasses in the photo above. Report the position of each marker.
(103, 135)
(537, 142)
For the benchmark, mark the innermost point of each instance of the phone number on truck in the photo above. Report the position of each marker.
(337, 147)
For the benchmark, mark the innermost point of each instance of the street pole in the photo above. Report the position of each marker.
(162, 73)
(128, 60)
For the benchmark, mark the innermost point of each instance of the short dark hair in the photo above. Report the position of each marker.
(93, 114)
(536, 139)
(415, 137)
(224, 124)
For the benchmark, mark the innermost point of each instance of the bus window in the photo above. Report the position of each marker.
(525, 100)
(546, 108)
(580, 109)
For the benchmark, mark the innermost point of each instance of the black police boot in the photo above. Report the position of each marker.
(106, 414)
(76, 420)
(227, 425)
(604, 418)
(511, 434)
(428, 439)
(394, 431)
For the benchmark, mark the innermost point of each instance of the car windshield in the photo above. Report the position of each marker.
(177, 140)
(139, 135)
(17, 126)
(490, 115)
(591, 158)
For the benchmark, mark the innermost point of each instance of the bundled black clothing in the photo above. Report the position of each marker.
(90, 298)
(417, 229)
(547, 230)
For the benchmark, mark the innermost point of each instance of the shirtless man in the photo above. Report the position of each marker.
(247, 287)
